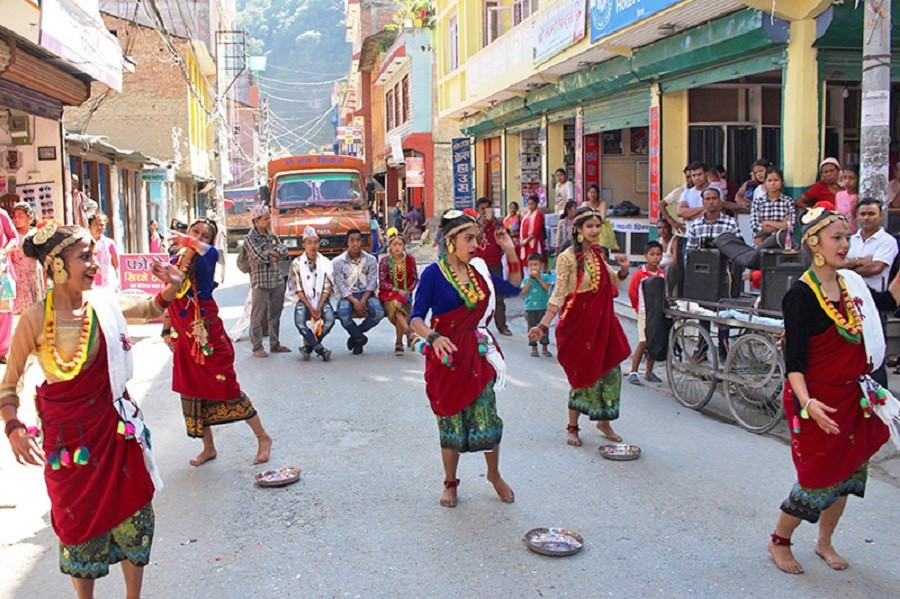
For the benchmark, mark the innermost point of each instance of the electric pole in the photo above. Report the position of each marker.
(876, 102)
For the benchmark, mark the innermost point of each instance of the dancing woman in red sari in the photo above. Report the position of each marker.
(463, 365)
(98, 466)
(832, 340)
(203, 362)
(590, 342)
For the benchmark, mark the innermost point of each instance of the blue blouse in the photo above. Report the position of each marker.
(435, 293)
(205, 270)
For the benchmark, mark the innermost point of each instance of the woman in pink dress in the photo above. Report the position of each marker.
(532, 232)
(106, 253)
(8, 242)
(845, 200)
(29, 275)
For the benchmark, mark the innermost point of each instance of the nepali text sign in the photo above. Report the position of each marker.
(559, 28)
(609, 16)
(135, 277)
(462, 172)
(81, 39)
(415, 171)
(654, 164)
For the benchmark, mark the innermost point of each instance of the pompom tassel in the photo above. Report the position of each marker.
(129, 430)
(82, 455)
(53, 460)
(65, 458)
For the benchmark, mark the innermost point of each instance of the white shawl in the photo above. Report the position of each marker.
(493, 355)
(313, 288)
(873, 338)
(121, 367)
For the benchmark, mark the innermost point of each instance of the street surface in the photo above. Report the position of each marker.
(690, 518)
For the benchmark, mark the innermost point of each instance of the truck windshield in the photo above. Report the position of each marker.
(321, 190)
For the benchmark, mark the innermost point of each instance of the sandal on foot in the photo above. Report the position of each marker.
(547, 353)
(398, 349)
(534, 353)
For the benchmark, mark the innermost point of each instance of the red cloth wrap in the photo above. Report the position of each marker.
(385, 295)
(86, 501)
(215, 380)
(832, 373)
(451, 389)
(589, 339)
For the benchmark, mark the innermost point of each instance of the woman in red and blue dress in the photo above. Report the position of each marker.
(203, 362)
(463, 365)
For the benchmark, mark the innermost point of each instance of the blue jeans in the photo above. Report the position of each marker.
(345, 313)
(301, 315)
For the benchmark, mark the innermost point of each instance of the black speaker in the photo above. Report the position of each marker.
(779, 271)
(710, 277)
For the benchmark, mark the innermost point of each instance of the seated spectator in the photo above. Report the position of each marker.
(775, 210)
(310, 285)
(355, 283)
(825, 189)
(703, 230)
(872, 249)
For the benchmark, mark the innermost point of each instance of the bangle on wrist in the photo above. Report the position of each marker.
(13, 425)
(432, 338)
(161, 301)
(543, 327)
(165, 332)
(803, 411)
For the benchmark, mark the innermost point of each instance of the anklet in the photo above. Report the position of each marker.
(451, 484)
(572, 428)
(779, 540)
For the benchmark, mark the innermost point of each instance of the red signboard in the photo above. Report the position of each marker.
(654, 164)
(135, 276)
(591, 160)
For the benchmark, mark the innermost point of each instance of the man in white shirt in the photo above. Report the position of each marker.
(669, 205)
(691, 204)
(872, 249)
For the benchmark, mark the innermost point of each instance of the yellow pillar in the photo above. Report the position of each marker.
(556, 158)
(674, 131)
(478, 168)
(801, 134)
(512, 169)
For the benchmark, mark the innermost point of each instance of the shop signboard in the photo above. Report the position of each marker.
(592, 160)
(561, 27)
(462, 172)
(630, 225)
(609, 16)
(80, 38)
(135, 278)
(160, 174)
(654, 164)
(415, 171)
(579, 156)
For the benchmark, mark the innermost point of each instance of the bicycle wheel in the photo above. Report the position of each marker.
(756, 402)
(691, 365)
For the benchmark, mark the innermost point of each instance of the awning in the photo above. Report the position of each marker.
(619, 112)
(99, 144)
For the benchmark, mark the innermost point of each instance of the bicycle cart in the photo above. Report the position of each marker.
(753, 371)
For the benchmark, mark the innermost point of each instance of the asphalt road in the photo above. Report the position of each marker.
(690, 518)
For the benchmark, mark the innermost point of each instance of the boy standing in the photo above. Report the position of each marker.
(652, 254)
(536, 287)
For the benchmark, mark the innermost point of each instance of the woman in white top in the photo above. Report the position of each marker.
(107, 254)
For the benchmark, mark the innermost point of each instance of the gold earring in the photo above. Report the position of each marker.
(818, 259)
(60, 276)
(451, 248)
(813, 240)
(580, 238)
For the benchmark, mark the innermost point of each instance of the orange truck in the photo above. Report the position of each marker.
(327, 192)
(237, 213)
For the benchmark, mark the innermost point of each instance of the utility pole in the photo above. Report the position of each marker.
(876, 102)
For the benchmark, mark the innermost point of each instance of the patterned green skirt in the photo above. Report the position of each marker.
(600, 401)
(477, 428)
(131, 540)
(808, 504)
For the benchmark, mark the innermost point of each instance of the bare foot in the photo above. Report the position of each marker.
(573, 439)
(504, 491)
(784, 559)
(448, 497)
(607, 431)
(265, 448)
(203, 457)
(831, 557)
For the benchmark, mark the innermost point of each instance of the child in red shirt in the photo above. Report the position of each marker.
(652, 254)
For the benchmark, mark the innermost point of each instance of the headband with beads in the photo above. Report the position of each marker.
(454, 214)
(818, 218)
(579, 218)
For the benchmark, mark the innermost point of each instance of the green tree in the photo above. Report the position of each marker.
(303, 41)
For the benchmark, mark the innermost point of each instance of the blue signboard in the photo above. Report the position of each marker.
(462, 173)
(609, 16)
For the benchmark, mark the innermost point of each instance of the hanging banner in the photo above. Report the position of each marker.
(609, 16)
(135, 278)
(415, 171)
(654, 164)
(559, 28)
(591, 160)
(462, 172)
(579, 157)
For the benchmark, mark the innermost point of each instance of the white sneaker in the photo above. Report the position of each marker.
(634, 379)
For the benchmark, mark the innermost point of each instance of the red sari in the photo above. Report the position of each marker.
(833, 370)
(87, 501)
(589, 339)
(215, 379)
(533, 225)
(452, 389)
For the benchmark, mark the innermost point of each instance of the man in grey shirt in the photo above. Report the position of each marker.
(355, 284)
